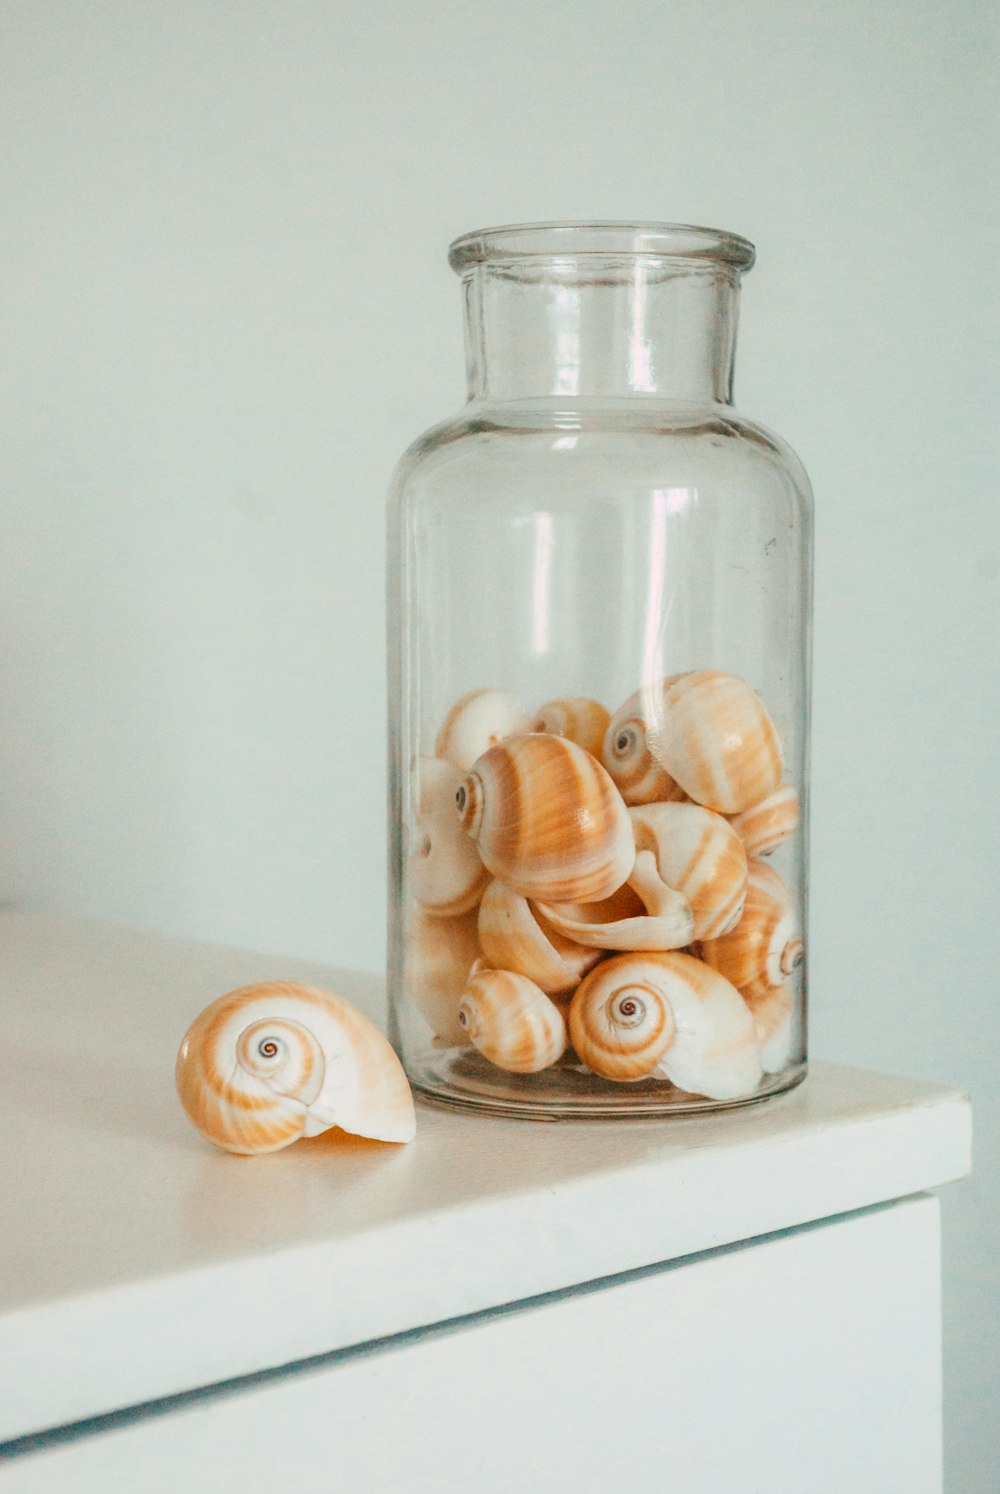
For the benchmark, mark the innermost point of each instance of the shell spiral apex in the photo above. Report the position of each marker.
(266, 1064)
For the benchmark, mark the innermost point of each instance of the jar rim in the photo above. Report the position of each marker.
(571, 240)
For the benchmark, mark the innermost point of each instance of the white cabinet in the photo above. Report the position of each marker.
(735, 1302)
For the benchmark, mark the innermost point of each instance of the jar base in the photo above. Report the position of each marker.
(460, 1080)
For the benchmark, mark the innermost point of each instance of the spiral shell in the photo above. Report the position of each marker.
(440, 952)
(446, 875)
(620, 1020)
(644, 914)
(774, 1022)
(514, 937)
(699, 854)
(269, 1063)
(512, 1022)
(626, 753)
(580, 719)
(699, 1031)
(765, 947)
(765, 826)
(477, 722)
(712, 734)
(547, 819)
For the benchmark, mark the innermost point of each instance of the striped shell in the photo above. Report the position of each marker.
(645, 914)
(269, 1063)
(477, 722)
(700, 855)
(765, 947)
(766, 825)
(515, 937)
(446, 874)
(774, 1021)
(440, 952)
(715, 1052)
(620, 1020)
(512, 1022)
(626, 755)
(712, 734)
(547, 819)
(582, 720)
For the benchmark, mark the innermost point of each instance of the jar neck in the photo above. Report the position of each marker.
(573, 328)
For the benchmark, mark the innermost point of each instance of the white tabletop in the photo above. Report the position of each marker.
(136, 1261)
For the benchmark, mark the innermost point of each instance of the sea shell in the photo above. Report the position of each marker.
(715, 738)
(626, 755)
(547, 819)
(764, 826)
(774, 1022)
(699, 854)
(446, 875)
(620, 1020)
(701, 1033)
(580, 719)
(765, 947)
(515, 937)
(512, 1022)
(269, 1063)
(477, 722)
(440, 952)
(644, 914)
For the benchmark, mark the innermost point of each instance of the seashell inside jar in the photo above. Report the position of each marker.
(591, 924)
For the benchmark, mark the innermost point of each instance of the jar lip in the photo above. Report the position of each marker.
(611, 239)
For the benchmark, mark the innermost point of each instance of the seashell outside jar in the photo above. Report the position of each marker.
(599, 628)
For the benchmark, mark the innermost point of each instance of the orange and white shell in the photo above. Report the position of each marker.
(445, 872)
(774, 1021)
(713, 735)
(644, 914)
(516, 937)
(620, 1019)
(477, 722)
(715, 1052)
(699, 854)
(512, 1022)
(582, 720)
(765, 947)
(547, 820)
(641, 779)
(440, 952)
(765, 826)
(269, 1063)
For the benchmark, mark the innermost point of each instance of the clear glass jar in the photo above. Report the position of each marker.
(599, 631)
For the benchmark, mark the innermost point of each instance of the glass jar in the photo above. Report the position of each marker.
(599, 630)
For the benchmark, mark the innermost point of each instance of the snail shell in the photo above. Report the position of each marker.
(440, 952)
(699, 854)
(514, 937)
(582, 720)
(477, 722)
(644, 914)
(620, 1020)
(715, 738)
(774, 1021)
(446, 874)
(765, 947)
(269, 1063)
(640, 778)
(547, 819)
(512, 1022)
(764, 826)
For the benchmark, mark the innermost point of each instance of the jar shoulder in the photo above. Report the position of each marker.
(618, 448)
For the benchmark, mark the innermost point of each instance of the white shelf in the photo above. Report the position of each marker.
(137, 1262)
